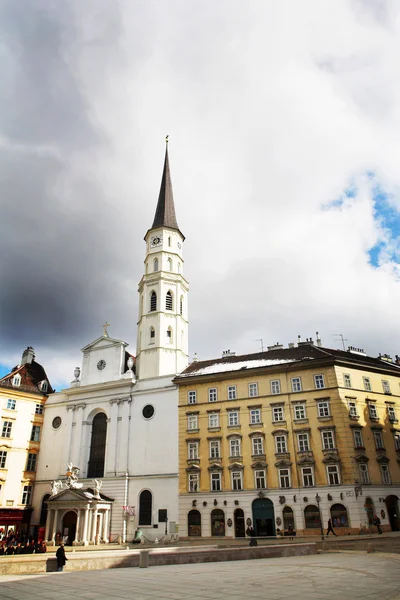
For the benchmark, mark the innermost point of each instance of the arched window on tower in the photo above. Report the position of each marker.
(153, 301)
(170, 264)
(152, 335)
(155, 264)
(145, 508)
(169, 335)
(168, 301)
(98, 446)
(181, 305)
(169, 241)
(179, 267)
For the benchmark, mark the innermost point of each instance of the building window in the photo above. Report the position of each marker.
(39, 409)
(193, 422)
(217, 522)
(169, 241)
(385, 475)
(367, 384)
(280, 444)
(391, 413)
(16, 380)
(278, 414)
(193, 482)
(300, 412)
(213, 420)
(237, 482)
(231, 392)
(215, 449)
(333, 475)
(153, 301)
(275, 386)
(373, 413)
(98, 446)
(212, 395)
(312, 517)
(260, 479)
(234, 446)
(170, 264)
(31, 463)
(324, 409)
(253, 390)
(364, 473)
(168, 301)
(378, 440)
(26, 495)
(319, 382)
(192, 397)
(152, 334)
(43, 510)
(296, 384)
(215, 482)
(385, 386)
(11, 404)
(233, 418)
(6, 431)
(308, 476)
(352, 409)
(397, 441)
(328, 440)
(3, 459)
(347, 380)
(145, 508)
(288, 518)
(284, 478)
(181, 305)
(358, 438)
(255, 416)
(258, 446)
(339, 515)
(303, 442)
(155, 264)
(193, 450)
(169, 334)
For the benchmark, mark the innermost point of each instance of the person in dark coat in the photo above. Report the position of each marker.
(330, 528)
(61, 558)
(252, 534)
(10, 550)
(17, 549)
(377, 522)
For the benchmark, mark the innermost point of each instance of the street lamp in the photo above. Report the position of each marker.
(318, 499)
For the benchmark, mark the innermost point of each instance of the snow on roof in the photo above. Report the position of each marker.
(223, 367)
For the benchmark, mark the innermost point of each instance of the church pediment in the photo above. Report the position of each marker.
(71, 495)
(103, 342)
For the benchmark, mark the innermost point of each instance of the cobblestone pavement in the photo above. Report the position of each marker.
(326, 576)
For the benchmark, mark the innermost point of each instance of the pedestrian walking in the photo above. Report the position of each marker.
(252, 534)
(61, 558)
(330, 528)
(377, 522)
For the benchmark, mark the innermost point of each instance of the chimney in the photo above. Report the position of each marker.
(319, 341)
(195, 358)
(28, 356)
(228, 353)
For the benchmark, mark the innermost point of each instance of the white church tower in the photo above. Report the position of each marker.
(162, 339)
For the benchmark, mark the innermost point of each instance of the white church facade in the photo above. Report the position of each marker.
(116, 426)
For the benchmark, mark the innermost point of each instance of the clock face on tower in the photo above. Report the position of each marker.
(101, 365)
(156, 240)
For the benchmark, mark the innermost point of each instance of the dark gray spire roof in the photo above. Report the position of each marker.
(165, 212)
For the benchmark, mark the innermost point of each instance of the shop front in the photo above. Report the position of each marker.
(14, 521)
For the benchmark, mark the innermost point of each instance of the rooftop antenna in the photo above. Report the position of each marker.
(340, 335)
(261, 343)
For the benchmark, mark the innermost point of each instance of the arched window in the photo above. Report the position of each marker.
(153, 301)
(152, 335)
(339, 515)
(169, 335)
(43, 510)
(170, 264)
(288, 517)
(182, 338)
(168, 301)
(98, 446)
(169, 241)
(312, 517)
(145, 508)
(155, 264)
(370, 510)
(194, 523)
(181, 305)
(217, 522)
(179, 267)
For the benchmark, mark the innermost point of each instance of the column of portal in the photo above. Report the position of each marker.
(111, 447)
(94, 525)
(105, 526)
(55, 523)
(78, 522)
(85, 526)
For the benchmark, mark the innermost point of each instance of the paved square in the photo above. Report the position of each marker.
(326, 576)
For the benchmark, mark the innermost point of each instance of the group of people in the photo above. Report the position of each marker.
(25, 547)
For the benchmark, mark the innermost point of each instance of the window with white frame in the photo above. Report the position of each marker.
(31, 462)
(385, 386)
(284, 478)
(237, 480)
(253, 390)
(6, 430)
(352, 408)
(192, 397)
(378, 439)
(234, 447)
(324, 409)
(364, 473)
(397, 441)
(386, 480)
(193, 450)
(347, 380)
(16, 380)
(193, 422)
(3, 459)
(319, 382)
(296, 384)
(358, 438)
(280, 444)
(300, 412)
(168, 300)
(367, 384)
(231, 392)
(258, 445)
(260, 479)
(255, 416)
(212, 395)
(233, 418)
(391, 413)
(215, 449)
(275, 386)
(35, 435)
(11, 404)
(303, 441)
(308, 476)
(39, 409)
(44, 386)
(213, 420)
(26, 495)
(215, 482)
(278, 414)
(328, 440)
(333, 475)
(193, 482)
(373, 413)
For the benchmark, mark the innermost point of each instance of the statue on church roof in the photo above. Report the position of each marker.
(97, 487)
(72, 476)
(56, 487)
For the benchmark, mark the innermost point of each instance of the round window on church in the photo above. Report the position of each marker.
(148, 411)
(56, 422)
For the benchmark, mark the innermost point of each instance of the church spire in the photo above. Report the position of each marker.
(165, 212)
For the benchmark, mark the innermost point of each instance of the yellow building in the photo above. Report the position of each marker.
(280, 437)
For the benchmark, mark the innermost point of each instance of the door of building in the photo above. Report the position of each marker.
(392, 505)
(69, 527)
(239, 523)
(263, 517)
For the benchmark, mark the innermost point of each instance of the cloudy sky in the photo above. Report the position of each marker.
(284, 121)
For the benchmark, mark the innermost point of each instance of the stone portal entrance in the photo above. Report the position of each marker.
(263, 517)
(68, 529)
(392, 505)
(239, 523)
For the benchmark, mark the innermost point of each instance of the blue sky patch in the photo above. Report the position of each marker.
(388, 218)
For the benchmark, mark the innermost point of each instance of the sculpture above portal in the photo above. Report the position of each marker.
(56, 486)
(72, 477)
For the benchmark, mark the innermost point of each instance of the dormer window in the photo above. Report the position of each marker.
(16, 380)
(44, 386)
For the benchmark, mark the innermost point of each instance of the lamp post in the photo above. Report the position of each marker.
(318, 499)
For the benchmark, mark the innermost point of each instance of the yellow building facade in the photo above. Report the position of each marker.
(289, 437)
